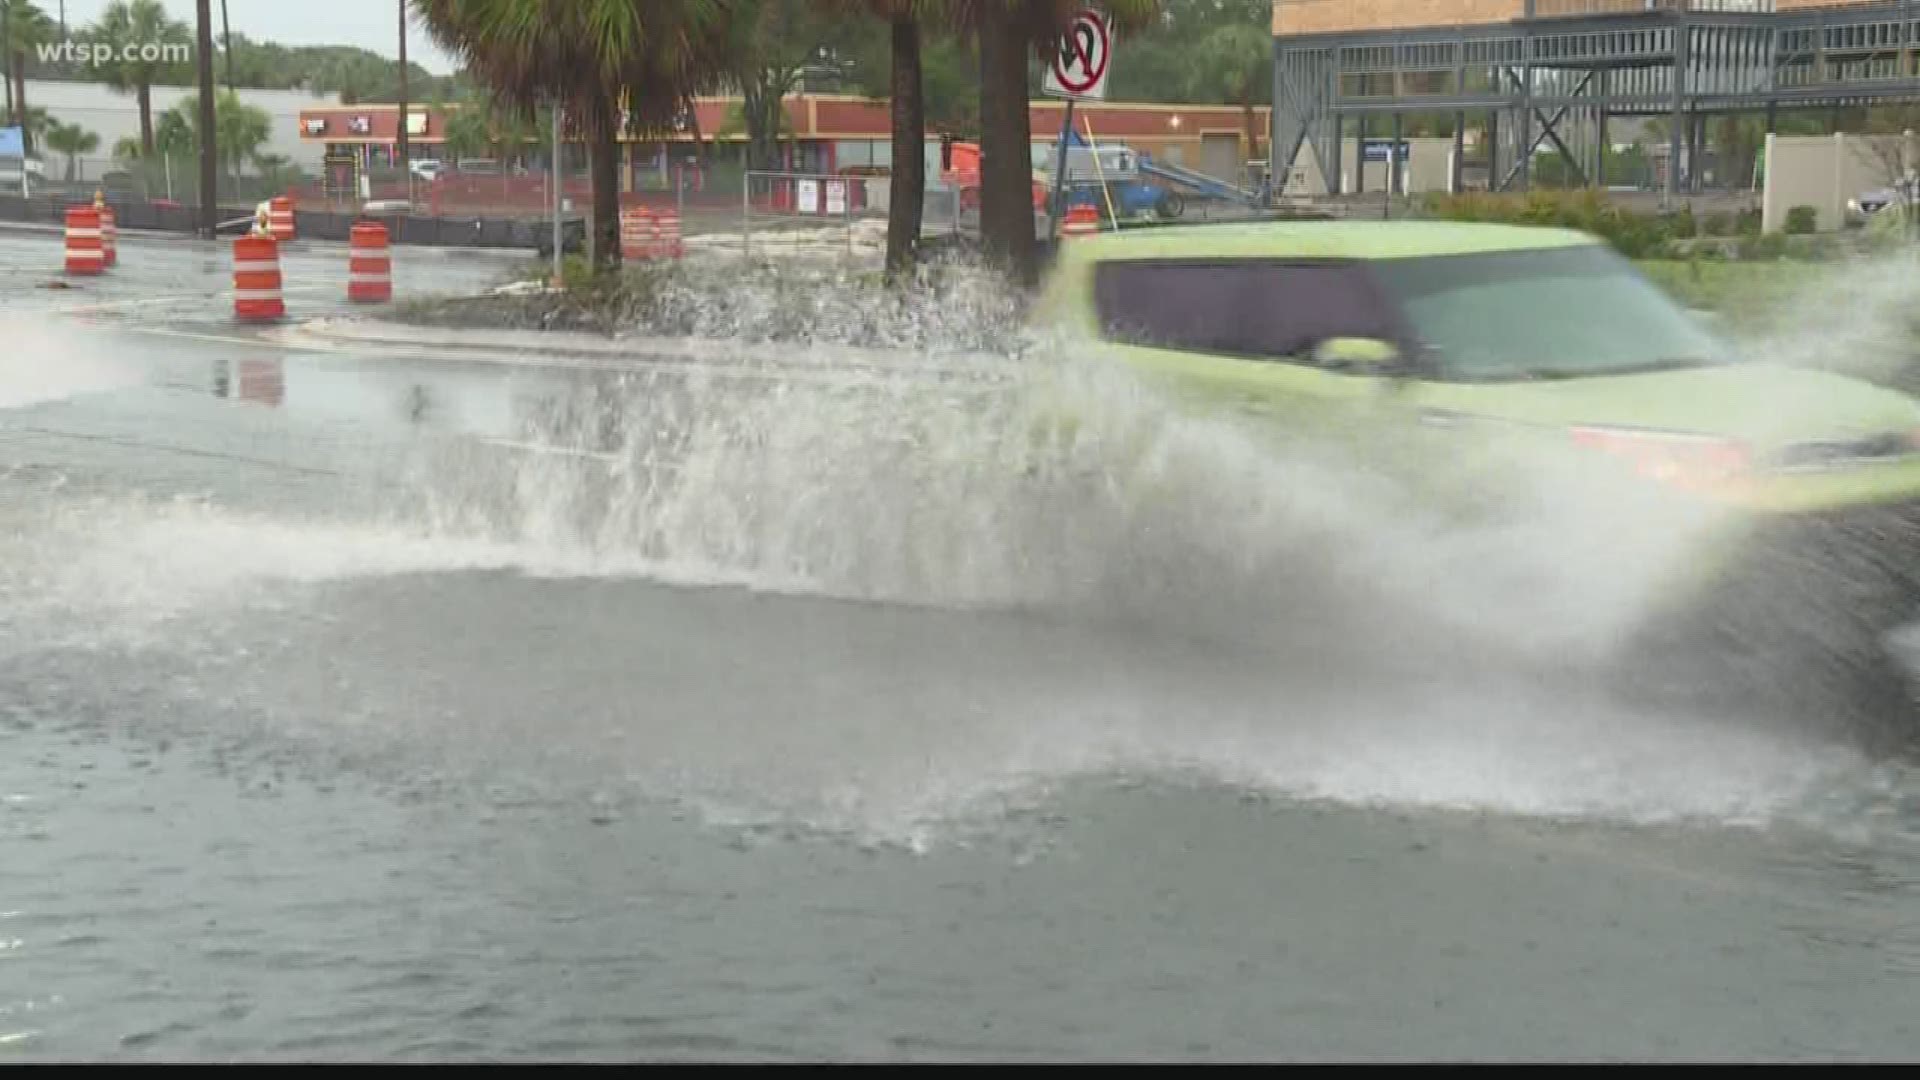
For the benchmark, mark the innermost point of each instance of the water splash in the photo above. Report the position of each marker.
(46, 362)
(1859, 318)
(1355, 643)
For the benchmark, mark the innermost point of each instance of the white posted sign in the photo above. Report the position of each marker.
(1081, 58)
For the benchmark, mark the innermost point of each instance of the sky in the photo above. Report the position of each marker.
(370, 24)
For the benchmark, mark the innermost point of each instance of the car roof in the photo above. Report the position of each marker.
(1321, 240)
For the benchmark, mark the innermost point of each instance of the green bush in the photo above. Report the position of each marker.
(1681, 225)
(1747, 223)
(1818, 249)
(1766, 248)
(1720, 223)
(1802, 221)
(1635, 236)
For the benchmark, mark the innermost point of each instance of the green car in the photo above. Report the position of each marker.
(1475, 356)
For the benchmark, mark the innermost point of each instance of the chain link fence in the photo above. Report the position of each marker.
(830, 217)
(163, 179)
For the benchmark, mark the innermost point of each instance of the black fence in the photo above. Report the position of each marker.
(137, 214)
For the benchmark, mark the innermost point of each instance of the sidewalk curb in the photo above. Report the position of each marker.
(718, 353)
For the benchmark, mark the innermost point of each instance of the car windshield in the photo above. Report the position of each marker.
(1567, 312)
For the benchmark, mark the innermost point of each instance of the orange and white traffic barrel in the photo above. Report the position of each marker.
(280, 217)
(369, 267)
(669, 246)
(637, 229)
(256, 279)
(1081, 221)
(84, 253)
(109, 236)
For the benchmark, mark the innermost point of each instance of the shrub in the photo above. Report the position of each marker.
(1682, 225)
(1802, 221)
(1720, 223)
(1770, 246)
(1634, 236)
(1818, 249)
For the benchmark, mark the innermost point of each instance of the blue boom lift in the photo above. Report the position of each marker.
(1137, 184)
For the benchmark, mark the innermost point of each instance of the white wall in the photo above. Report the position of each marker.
(1824, 171)
(1426, 168)
(114, 116)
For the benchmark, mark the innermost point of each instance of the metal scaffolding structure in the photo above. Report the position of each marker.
(1554, 76)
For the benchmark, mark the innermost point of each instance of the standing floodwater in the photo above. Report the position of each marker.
(364, 706)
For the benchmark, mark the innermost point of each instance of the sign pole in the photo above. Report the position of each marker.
(558, 237)
(1077, 69)
(1057, 205)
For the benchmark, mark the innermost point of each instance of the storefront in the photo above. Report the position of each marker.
(825, 134)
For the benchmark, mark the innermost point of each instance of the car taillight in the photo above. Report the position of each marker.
(1685, 460)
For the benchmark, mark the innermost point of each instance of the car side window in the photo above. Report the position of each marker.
(1239, 307)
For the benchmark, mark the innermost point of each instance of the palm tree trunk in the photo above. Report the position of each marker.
(908, 186)
(699, 140)
(604, 150)
(400, 136)
(143, 94)
(763, 130)
(20, 100)
(1006, 165)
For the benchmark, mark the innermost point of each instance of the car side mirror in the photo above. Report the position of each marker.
(1374, 357)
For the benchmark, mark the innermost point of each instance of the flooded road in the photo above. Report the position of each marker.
(349, 713)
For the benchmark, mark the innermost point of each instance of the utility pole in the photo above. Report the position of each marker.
(405, 172)
(6, 60)
(209, 138)
(226, 43)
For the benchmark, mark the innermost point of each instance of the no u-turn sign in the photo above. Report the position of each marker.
(1078, 67)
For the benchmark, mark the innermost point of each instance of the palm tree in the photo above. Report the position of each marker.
(467, 133)
(907, 183)
(71, 140)
(1009, 31)
(770, 44)
(239, 130)
(22, 26)
(1239, 68)
(604, 61)
(136, 23)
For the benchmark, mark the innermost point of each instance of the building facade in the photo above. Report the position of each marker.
(1550, 76)
(113, 114)
(826, 133)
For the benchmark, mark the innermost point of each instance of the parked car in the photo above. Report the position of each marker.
(1868, 203)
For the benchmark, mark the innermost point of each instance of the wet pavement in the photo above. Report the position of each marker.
(375, 702)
